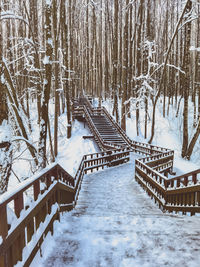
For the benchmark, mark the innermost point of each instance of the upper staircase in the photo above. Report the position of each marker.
(107, 132)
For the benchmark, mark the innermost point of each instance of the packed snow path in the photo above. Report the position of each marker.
(116, 224)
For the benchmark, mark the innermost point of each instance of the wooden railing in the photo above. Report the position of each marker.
(51, 192)
(181, 193)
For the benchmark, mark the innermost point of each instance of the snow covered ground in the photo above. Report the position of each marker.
(70, 151)
(116, 224)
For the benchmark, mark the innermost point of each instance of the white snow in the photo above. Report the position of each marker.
(193, 48)
(46, 60)
(71, 151)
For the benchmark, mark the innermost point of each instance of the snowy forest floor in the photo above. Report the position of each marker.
(116, 224)
(168, 133)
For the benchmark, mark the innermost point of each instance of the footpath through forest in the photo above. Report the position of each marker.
(115, 224)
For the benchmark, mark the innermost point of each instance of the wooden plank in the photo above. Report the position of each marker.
(37, 246)
(17, 231)
(30, 230)
(3, 221)
(88, 136)
(18, 203)
(188, 189)
(2, 260)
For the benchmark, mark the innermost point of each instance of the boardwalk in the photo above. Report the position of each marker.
(116, 224)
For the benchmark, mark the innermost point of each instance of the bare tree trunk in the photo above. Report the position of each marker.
(115, 60)
(47, 87)
(125, 70)
(56, 71)
(3, 100)
(186, 81)
(139, 60)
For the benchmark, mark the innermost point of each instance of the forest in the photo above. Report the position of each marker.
(134, 53)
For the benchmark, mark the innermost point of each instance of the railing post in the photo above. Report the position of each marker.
(20, 242)
(165, 184)
(36, 188)
(3, 221)
(48, 180)
(194, 178)
(186, 180)
(19, 203)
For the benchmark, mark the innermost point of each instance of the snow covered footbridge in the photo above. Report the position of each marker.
(112, 222)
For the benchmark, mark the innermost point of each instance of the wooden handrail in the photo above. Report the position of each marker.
(59, 194)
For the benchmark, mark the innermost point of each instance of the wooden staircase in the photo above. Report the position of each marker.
(107, 132)
(54, 190)
(179, 194)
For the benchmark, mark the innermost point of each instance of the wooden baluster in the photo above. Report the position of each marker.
(194, 178)
(186, 180)
(19, 203)
(57, 196)
(3, 221)
(177, 199)
(40, 216)
(3, 231)
(181, 199)
(36, 188)
(30, 230)
(98, 163)
(5, 257)
(48, 181)
(166, 184)
(174, 200)
(19, 244)
(30, 225)
(49, 202)
(184, 199)
(169, 199)
(58, 173)
(54, 173)
(193, 198)
(187, 198)
(44, 211)
(198, 199)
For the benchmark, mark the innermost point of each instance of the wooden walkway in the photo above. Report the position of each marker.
(115, 224)
(55, 191)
